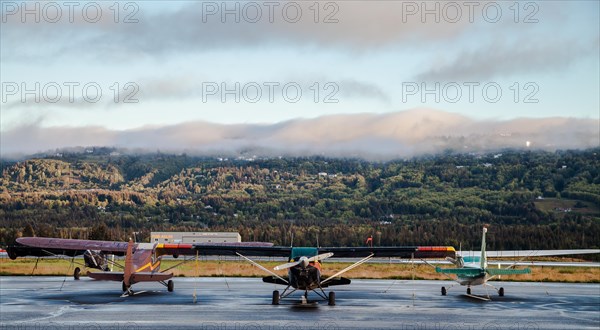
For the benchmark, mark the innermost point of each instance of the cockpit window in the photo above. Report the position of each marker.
(298, 252)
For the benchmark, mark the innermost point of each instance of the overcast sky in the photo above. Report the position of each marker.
(145, 66)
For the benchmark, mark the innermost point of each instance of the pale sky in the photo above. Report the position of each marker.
(175, 59)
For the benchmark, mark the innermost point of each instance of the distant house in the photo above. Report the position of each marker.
(565, 210)
(322, 174)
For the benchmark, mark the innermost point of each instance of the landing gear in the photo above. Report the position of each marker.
(275, 300)
(331, 299)
(76, 273)
(468, 290)
(443, 291)
(304, 300)
(170, 286)
(501, 292)
(127, 291)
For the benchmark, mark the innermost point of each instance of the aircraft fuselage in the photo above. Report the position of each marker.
(471, 280)
(305, 278)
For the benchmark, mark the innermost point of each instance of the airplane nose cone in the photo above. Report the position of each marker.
(305, 262)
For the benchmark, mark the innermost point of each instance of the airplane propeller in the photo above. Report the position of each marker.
(458, 262)
(320, 257)
(304, 261)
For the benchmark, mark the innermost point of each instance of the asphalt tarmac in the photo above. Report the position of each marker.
(245, 303)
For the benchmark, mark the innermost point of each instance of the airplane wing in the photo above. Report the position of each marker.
(459, 271)
(532, 253)
(419, 252)
(44, 247)
(208, 248)
(338, 252)
(256, 249)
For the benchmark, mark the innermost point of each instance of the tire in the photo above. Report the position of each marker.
(443, 291)
(468, 290)
(275, 300)
(76, 273)
(501, 292)
(12, 254)
(331, 298)
(124, 287)
(170, 286)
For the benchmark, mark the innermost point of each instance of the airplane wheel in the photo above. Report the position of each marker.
(170, 286)
(76, 273)
(275, 300)
(125, 287)
(332, 298)
(501, 292)
(12, 254)
(468, 290)
(443, 291)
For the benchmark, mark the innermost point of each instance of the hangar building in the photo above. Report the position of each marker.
(194, 237)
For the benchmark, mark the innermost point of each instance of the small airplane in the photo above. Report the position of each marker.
(304, 265)
(473, 271)
(142, 260)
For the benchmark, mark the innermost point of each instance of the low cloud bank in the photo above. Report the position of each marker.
(372, 136)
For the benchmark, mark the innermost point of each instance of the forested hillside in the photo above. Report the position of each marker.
(532, 200)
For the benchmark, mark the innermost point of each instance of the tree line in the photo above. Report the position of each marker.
(441, 199)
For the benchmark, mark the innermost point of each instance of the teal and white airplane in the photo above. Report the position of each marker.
(473, 271)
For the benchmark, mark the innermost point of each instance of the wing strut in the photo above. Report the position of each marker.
(354, 265)
(179, 264)
(263, 268)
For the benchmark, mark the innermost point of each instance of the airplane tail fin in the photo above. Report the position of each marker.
(483, 254)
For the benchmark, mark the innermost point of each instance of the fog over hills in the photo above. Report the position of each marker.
(372, 136)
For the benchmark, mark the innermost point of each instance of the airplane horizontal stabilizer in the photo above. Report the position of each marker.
(135, 277)
(336, 281)
(150, 277)
(274, 280)
(459, 271)
(107, 276)
(504, 271)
